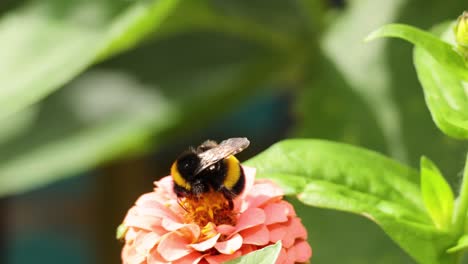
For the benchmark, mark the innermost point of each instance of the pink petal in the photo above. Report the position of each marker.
(288, 233)
(192, 258)
(154, 208)
(246, 249)
(191, 232)
(155, 258)
(145, 242)
(225, 229)
(131, 234)
(258, 235)
(147, 197)
(171, 225)
(291, 211)
(229, 246)
(139, 237)
(166, 184)
(159, 230)
(282, 256)
(276, 213)
(218, 259)
(142, 221)
(290, 256)
(296, 229)
(240, 203)
(250, 218)
(262, 193)
(277, 232)
(249, 173)
(302, 251)
(135, 259)
(288, 240)
(207, 244)
(173, 246)
(131, 256)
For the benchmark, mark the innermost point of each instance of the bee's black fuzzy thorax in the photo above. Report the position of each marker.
(187, 164)
(210, 167)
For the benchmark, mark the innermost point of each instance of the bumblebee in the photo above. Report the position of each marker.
(210, 167)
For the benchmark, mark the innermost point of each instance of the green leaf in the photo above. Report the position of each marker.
(266, 255)
(342, 177)
(437, 194)
(416, 123)
(47, 43)
(444, 93)
(442, 73)
(462, 244)
(441, 51)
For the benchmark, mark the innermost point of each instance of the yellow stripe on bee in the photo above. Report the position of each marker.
(178, 179)
(233, 172)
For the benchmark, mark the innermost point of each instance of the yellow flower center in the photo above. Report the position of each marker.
(211, 207)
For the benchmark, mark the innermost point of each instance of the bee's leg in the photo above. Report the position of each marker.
(180, 203)
(229, 195)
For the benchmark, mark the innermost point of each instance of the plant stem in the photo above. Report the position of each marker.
(460, 211)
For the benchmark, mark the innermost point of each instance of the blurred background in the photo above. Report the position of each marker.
(74, 160)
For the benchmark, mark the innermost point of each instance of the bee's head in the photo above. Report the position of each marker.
(187, 163)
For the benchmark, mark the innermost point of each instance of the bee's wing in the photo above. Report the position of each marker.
(228, 147)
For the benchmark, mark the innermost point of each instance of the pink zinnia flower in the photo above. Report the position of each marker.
(164, 229)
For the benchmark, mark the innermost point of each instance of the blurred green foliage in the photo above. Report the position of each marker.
(83, 82)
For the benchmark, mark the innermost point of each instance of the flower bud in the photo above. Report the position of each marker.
(461, 30)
